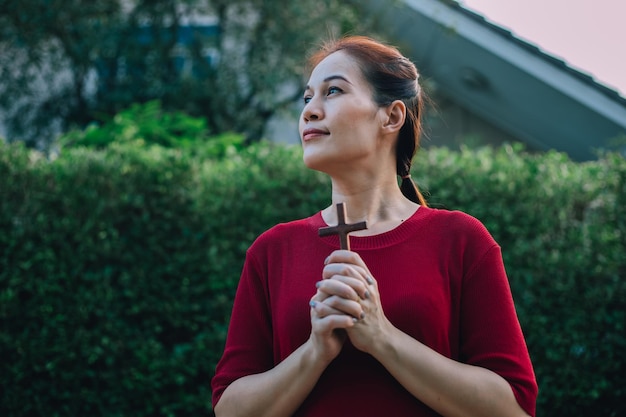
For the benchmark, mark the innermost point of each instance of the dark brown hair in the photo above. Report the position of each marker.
(392, 77)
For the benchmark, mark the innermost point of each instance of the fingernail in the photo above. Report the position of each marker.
(317, 284)
(312, 303)
(362, 315)
(327, 260)
(369, 280)
(367, 294)
(354, 320)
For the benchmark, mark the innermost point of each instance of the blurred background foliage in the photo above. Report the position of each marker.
(148, 124)
(235, 63)
(118, 263)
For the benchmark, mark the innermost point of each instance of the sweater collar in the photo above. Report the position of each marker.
(392, 237)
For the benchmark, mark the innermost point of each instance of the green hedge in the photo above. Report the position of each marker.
(118, 267)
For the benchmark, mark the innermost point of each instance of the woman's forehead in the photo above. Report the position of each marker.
(336, 65)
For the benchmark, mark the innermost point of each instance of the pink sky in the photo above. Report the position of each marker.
(587, 34)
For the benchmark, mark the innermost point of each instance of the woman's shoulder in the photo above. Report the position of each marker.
(286, 231)
(457, 224)
(456, 217)
(463, 238)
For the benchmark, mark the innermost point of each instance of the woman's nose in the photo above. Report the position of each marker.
(312, 111)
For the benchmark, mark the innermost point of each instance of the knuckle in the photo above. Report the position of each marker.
(332, 301)
(347, 270)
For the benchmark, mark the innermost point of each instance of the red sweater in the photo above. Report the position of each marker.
(441, 280)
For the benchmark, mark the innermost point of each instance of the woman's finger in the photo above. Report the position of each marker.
(338, 287)
(334, 305)
(347, 263)
(358, 285)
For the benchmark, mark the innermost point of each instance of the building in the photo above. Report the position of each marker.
(492, 87)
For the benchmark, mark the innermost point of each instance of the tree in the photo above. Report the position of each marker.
(236, 63)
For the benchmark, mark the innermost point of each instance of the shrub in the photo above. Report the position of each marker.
(147, 124)
(561, 227)
(118, 267)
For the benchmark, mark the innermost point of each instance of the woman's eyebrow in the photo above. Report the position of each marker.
(330, 78)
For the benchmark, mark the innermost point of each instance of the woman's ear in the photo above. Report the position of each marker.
(395, 115)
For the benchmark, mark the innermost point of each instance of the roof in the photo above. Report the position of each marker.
(584, 77)
(503, 79)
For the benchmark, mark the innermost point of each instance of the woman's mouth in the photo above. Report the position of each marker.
(310, 134)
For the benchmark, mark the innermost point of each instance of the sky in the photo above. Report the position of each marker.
(588, 34)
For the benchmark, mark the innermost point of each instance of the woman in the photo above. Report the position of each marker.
(416, 320)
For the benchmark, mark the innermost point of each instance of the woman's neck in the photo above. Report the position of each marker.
(382, 206)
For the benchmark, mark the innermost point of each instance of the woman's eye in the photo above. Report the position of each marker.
(332, 90)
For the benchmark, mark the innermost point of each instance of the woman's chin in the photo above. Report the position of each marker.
(311, 164)
(318, 159)
(311, 160)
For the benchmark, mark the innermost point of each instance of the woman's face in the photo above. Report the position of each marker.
(340, 122)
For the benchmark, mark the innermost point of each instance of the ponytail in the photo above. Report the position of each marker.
(411, 191)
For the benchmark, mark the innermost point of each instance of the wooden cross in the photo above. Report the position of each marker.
(342, 229)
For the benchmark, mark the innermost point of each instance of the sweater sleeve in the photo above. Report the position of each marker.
(248, 348)
(491, 333)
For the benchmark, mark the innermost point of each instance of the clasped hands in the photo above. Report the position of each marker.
(347, 298)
